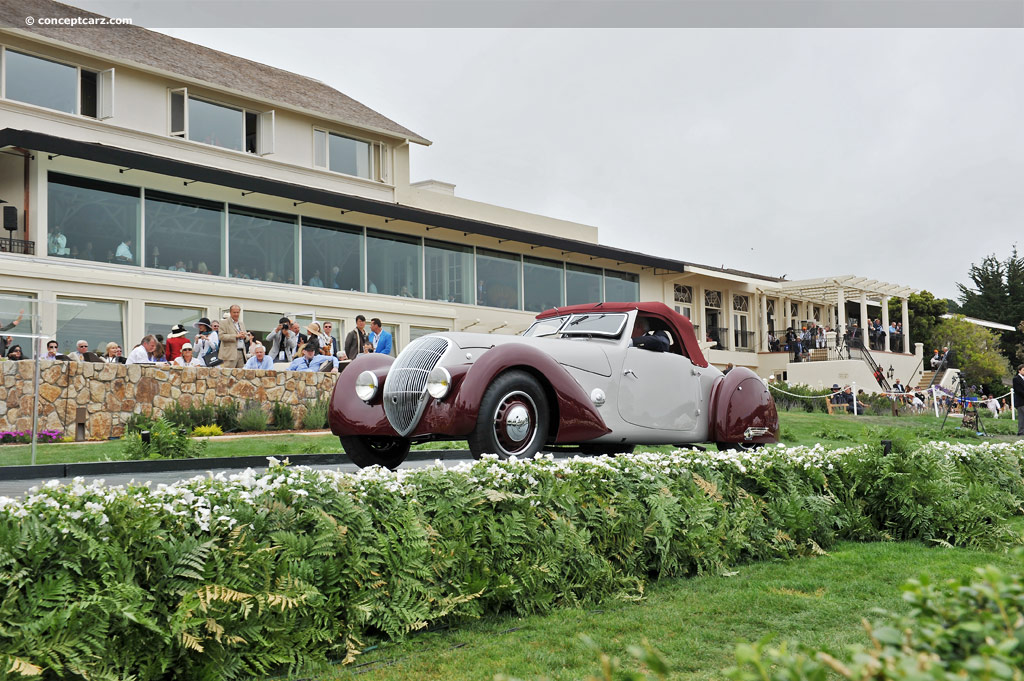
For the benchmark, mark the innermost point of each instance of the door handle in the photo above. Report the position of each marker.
(629, 372)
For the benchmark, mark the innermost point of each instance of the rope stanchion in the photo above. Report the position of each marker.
(806, 397)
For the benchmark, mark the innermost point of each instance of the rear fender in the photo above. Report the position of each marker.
(573, 417)
(741, 401)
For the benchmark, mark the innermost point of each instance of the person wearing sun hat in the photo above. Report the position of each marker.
(186, 358)
(206, 341)
(175, 340)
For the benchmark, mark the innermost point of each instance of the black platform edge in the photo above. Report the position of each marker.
(96, 468)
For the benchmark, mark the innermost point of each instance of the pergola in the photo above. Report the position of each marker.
(837, 290)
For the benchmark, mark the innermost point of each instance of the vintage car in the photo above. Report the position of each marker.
(574, 378)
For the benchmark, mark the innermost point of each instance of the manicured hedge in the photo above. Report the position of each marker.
(220, 578)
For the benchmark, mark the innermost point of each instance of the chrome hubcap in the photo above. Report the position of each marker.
(515, 423)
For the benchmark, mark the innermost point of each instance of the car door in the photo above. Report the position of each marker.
(659, 390)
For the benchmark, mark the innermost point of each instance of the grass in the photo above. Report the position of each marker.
(798, 428)
(695, 623)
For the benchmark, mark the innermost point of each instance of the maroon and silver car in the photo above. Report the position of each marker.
(573, 378)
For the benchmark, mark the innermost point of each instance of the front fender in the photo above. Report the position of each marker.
(349, 415)
(573, 417)
(740, 401)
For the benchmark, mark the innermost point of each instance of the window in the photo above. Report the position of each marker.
(220, 125)
(160, 319)
(393, 264)
(98, 323)
(332, 255)
(683, 294)
(261, 245)
(543, 284)
(92, 220)
(497, 276)
(184, 234)
(714, 332)
(421, 331)
(582, 285)
(621, 287)
(743, 337)
(58, 86)
(713, 299)
(350, 156)
(261, 324)
(11, 305)
(741, 303)
(449, 272)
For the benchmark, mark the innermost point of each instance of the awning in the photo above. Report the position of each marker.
(826, 290)
(126, 158)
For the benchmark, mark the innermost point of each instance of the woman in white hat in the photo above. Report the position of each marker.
(186, 359)
(175, 340)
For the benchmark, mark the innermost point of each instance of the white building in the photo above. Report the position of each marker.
(158, 181)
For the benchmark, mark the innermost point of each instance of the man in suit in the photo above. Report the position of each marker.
(379, 338)
(233, 338)
(355, 341)
(1018, 398)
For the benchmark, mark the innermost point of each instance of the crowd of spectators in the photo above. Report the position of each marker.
(228, 343)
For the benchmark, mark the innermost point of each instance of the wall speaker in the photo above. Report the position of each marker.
(11, 218)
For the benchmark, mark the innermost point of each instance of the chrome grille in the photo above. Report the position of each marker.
(405, 388)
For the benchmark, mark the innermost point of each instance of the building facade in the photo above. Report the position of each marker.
(150, 181)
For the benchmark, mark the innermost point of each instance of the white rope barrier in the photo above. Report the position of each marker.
(933, 391)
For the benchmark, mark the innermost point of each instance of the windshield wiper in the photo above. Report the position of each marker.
(579, 319)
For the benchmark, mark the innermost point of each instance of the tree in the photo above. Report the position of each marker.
(976, 350)
(924, 311)
(997, 295)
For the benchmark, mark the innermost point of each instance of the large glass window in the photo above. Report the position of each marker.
(332, 255)
(92, 220)
(261, 324)
(543, 284)
(449, 272)
(13, 305)
(184, 234)
(497, 279)
(621, 287)
(582, 285)
(393, 264)
(41, 82)
(216, 124)
(160, 319)
(416, 332)
(262, 244)
(98, 323)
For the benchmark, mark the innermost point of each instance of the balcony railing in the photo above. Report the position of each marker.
(19, 246)
(744, 340)
(718, 334)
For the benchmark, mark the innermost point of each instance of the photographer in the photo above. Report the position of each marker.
(206, 342)
(282, 341)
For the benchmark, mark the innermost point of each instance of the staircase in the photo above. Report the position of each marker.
(926, 380)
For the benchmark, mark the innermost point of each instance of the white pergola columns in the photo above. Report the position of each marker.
(885, 322)
(764, 321)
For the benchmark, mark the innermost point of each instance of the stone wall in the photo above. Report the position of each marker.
(110, 393)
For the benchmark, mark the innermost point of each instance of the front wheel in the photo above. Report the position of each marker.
(513, 418)
(366, 451)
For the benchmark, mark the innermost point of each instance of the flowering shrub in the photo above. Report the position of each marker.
(25, 436)
(241, 576)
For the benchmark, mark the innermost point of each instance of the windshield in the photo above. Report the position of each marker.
(595, 324)
(545, 327)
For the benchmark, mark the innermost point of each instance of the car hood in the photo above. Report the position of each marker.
(585, 354)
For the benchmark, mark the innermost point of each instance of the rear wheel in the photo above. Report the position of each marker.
(513, 418)
(606, 449)
(739, 446)
(366, 450)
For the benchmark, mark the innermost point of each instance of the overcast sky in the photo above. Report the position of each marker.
(892, 154)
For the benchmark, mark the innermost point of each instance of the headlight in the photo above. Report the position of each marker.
(439, 382)
(366, 386)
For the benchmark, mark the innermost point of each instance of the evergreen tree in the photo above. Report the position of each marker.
(997, 295)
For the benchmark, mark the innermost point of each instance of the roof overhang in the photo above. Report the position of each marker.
(981, 322)
(127, 158)
(826, 290)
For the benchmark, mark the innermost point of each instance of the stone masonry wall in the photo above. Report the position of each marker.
(110, 393)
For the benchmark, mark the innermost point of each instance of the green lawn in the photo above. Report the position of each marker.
(695, 623)
(798, 428)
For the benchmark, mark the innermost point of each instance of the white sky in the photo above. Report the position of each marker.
(892, 154)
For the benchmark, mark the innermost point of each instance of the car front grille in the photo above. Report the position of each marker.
(405, 388)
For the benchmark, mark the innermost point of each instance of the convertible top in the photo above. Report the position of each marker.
(680, 326)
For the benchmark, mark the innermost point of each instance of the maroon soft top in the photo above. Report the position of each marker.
(679, 325)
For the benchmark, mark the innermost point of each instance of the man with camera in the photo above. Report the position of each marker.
(282, 341)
